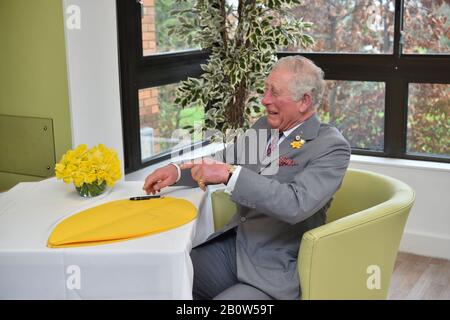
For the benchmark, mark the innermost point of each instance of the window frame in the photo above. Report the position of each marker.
(139, 72)
(397, 70)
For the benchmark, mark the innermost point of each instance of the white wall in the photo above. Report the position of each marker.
(95, 105)
(93, 71)
(427, 230)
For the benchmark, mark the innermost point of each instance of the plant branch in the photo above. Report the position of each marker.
(223, 13)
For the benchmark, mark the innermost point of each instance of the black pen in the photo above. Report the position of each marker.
(145, 197)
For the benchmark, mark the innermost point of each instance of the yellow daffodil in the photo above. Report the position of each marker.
(96, 165)
(297, 144)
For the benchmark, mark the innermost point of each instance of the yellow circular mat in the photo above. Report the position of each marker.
(121, 220)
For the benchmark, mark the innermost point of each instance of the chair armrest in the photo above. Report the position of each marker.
(223, 208)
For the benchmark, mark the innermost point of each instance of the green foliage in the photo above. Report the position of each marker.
(357, 110)
(429, 119)
(165, 21)
(242, 42)
(171, 117)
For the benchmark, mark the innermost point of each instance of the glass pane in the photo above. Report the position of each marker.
(348, 26)
(427, 26)
(429, 119)
(155, 22)
(356, 108)
(160, 117)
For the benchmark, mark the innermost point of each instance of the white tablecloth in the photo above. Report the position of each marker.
(152, 267)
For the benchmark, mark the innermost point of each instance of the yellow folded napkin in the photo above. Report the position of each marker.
(121, 220)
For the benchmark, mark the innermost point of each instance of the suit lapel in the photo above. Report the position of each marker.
(307, 131)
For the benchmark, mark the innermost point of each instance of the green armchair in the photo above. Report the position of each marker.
(352, 256)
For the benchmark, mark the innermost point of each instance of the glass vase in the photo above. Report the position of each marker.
(89, 190)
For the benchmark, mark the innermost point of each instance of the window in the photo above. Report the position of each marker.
(155, 23)
(429, 119)
(386, 62)
(160, 118)
(349, 26)
(356, 108)
(427, 26)
(150, 67)
(381, 44)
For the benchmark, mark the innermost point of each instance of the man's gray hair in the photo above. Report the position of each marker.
(307, 78)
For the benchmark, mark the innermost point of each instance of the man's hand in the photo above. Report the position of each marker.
(160, 178)
(208, 172)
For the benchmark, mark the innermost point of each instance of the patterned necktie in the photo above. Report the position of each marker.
(273, 143)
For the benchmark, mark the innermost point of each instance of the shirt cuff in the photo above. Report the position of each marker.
(178, 170)
(232, 182)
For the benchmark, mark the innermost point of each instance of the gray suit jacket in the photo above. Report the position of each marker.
(275, 210)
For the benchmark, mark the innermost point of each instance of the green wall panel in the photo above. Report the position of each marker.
(23, 139)
(33, 72)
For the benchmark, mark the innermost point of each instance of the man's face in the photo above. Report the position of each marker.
(283, 112)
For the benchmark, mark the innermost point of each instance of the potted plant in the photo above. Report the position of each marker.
(242, 37)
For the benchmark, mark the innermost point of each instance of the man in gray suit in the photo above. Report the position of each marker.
(255, 255)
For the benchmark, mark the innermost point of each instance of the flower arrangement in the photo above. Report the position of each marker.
(90, 170)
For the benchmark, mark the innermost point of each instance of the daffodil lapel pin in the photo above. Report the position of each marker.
(297, 143)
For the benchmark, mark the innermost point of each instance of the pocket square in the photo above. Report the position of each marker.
(286, 162)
